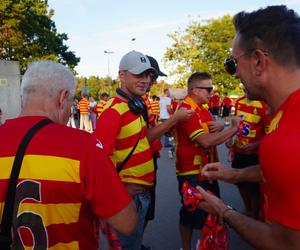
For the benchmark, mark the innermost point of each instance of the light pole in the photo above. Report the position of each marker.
(108, 52)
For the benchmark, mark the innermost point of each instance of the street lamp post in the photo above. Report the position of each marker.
(108, 52)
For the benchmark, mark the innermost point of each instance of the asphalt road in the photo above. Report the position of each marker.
(162, 233)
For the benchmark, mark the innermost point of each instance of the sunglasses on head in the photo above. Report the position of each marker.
(208, 89)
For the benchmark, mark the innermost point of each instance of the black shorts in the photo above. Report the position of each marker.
(226, 111)
(242, 161)
(215, 110)
(195, 219)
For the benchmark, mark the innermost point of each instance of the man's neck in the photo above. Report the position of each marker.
(282, 86)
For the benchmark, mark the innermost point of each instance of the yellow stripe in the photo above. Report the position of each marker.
(51, 213)
(43, 167)
(275, 121)
(252, 134)
(64, 246)
(138, 170)
(189, 172)
(249, 117)
(197, 160)
(121, 108)
(256, 104)
(136, 181)
(131, 128)
(196, 133)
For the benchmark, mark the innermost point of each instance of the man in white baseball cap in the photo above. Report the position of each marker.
(122, 128)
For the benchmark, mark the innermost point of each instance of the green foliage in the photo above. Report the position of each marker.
(96, 86)
(27, 33)
(202, 47)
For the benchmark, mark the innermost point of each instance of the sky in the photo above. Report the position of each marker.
(119, 26)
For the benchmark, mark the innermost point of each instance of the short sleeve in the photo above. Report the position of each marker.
(108, 128)
(101, 183)
(192, 127)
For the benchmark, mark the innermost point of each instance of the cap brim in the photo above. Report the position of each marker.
(161, 73)
(140, 69)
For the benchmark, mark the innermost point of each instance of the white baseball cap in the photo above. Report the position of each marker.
(136, 63)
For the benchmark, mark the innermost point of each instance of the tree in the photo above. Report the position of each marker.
(202, 47)
(27, 33)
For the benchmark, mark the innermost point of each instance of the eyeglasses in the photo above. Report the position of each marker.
(208, 89)
(230, 64)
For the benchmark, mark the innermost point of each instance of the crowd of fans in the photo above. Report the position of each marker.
(73, 183)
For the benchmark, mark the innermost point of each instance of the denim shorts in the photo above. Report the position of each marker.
(134, 241)
(195, 219)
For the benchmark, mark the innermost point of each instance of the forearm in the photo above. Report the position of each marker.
(257, 233)
(248, 174)
(159, 130)
(213, 139)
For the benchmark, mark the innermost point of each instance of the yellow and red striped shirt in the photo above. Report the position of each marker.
(99, 107)
(83, 106)
(66, 180)
(255, 121)
(119, 129)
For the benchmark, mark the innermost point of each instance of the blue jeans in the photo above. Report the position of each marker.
(134, 241)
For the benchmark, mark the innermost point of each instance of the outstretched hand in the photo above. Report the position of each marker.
(183, 114)
(211, 203)
(217, 171)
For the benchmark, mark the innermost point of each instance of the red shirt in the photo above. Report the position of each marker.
(65, 181)
(215, 101)
(190, 157)
(280, 164)
(227, 102)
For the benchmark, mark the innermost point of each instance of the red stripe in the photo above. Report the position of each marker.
(139, 158)
(130, 141)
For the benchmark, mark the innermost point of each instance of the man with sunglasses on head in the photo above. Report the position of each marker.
(122, 128)
(266, 57)
(196, 140)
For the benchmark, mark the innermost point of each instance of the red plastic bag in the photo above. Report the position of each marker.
(191, 196)
(214, 236)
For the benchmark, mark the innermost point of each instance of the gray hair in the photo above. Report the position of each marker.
(49, 78)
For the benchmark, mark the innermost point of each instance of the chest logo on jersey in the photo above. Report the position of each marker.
(245, 128)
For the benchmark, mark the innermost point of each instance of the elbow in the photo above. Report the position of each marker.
(204, 144)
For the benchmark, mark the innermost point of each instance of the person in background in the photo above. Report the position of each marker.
(215, 105)
(83, 106)
(93, 114)
(266, 58)
(165, 113)
(66, 179)
(226, 108)
(100, 105)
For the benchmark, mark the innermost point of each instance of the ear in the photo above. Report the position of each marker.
(122, 75)
(63, 97)
(260, 61)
